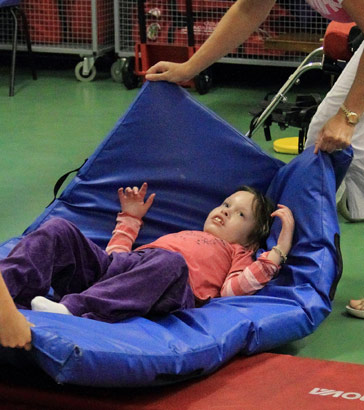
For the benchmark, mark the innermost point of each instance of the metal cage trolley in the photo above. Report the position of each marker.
(161, 30)
(83, 27)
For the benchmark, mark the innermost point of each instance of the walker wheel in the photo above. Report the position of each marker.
(203, 82)
(84, 77)
(130, 80)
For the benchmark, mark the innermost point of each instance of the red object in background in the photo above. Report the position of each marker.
(80, 22)
(205, 5)
(336, 41)
(163, 34)
(254, 45)
(149, 54)
(199, 30)
(43, 20)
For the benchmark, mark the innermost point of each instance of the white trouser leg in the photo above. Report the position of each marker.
(354, 179)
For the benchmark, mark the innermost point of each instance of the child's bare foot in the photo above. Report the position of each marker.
(41, 304)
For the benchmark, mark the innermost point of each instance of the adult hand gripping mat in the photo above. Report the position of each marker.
(192, 160)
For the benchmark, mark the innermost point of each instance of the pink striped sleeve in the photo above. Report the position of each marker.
(253, 278)
(124, 234)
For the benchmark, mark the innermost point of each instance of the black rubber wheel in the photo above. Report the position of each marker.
(203, 82)
(130, 80)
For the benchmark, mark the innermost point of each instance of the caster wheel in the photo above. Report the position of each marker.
(203, 82)
(82, 77)
(130, 80)
(116, 70)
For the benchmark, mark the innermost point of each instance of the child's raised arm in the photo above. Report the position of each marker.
(129, 220)
(279, 253)
(132, 200)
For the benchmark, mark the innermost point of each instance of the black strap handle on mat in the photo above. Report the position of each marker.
(60, 181)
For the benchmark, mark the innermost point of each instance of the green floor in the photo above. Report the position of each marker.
(53, 124)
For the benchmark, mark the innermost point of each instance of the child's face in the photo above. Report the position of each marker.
(233, 220)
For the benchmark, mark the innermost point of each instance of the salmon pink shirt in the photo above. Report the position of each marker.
(216, 267)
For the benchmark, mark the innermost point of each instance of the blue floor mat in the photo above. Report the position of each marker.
(192, 159)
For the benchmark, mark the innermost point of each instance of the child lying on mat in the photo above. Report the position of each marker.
(177, 271)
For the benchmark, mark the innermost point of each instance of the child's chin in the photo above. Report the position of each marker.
(211, 229)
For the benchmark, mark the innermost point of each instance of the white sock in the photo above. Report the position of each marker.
(41, 304)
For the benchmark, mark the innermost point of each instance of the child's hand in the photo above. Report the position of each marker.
(285, 237)
(132, 200)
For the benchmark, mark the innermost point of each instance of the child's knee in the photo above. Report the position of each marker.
(56, 227)
(57, 223)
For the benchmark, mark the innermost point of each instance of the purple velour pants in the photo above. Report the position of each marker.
(91, 283)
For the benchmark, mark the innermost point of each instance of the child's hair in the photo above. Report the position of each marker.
(262, 210)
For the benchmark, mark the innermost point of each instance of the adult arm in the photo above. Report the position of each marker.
(243, 17)
(337, 132)
(14, 327)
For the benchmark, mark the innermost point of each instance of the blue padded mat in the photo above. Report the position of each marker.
(192, 159)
